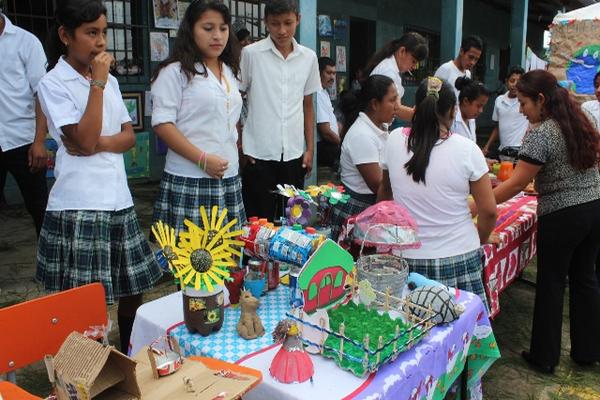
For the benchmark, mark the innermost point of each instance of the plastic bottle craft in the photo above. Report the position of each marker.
(291, 364)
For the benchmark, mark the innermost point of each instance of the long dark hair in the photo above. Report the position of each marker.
(580, 135)
(185, 50)
(413, 42)
(470, 89)
(70, 14)
(425, 131)
(375, 87)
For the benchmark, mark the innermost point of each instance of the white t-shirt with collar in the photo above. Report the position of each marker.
(439, 207)
(363, 144)
(464, 128)
(325, 112)
(96, 182)
(22, 65)
(593, 107)
(512, 125)
(389, 68)
(450, 72)
(276, 87)
(205, 110)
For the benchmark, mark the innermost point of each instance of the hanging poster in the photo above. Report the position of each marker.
(325, 50)
(325, 26)
(340, 29)
(137, 160)
(340, 58)
(159, 46)
(166, 14)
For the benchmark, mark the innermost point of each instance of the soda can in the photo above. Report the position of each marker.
(273, 275)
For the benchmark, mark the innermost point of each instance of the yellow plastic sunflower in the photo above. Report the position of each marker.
(203, 255)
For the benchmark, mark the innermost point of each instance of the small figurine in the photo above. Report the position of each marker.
(188, 383)
(249, 326)
(366, 295)
(291, 364)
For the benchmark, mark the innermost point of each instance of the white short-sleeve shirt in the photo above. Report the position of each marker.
(22, 65)
(593, 107)
(450, 72)
(464, 128)
(439, 207)
(205, 110)
(512, 125)
(96, 182)
(389, 68)
(325, 112)
(276, 87)
(363, 144)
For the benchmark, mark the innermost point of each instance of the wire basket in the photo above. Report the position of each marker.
(383, 271)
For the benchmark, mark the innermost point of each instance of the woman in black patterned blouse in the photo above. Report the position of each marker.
(561, 153)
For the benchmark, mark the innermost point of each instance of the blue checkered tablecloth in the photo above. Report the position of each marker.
(226, 344)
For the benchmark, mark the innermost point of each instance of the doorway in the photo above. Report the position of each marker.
(362, 44)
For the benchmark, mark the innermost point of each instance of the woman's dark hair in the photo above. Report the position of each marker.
(375, 87)
(413, 42)
(596, 78)
(580, 135)
(185, 50)
(242, 34)
(470, 89)
(70, 14)
(425, 131)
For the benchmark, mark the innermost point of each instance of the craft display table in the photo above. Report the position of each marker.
(517, 228)
(426, 370)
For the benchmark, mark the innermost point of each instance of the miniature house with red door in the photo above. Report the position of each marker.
(323, 277)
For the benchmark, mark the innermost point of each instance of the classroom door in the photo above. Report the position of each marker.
(362, 44)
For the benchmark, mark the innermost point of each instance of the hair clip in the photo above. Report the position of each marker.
(434, 85)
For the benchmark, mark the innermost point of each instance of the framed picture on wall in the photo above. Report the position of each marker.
(133, 103)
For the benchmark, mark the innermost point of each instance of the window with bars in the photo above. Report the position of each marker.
(125, 37)
(248, 14)
(427, 67)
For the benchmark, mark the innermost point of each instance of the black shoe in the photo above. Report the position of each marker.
(546, 369)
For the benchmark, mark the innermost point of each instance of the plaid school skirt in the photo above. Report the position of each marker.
(181, 197)
(77, 247)
(463, 271)
(342, 211)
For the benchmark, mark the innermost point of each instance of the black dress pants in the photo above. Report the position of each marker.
(567, 244)
(31, 184)
(260, 179)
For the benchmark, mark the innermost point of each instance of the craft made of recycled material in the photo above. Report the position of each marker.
(249, 325)
(436, 298)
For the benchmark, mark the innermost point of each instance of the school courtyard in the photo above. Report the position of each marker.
(508, 378)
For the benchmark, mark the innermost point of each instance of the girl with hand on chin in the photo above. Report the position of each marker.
(90, 231)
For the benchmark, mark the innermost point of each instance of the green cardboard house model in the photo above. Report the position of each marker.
(323, 276)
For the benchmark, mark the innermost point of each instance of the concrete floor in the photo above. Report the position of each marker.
(509, 378)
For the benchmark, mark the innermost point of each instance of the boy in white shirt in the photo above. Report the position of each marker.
(470, 51)
(22, 123)
(279, 76)
(511, 125)
(328, 141)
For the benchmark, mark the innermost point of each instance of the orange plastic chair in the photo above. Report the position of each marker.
(32, 329)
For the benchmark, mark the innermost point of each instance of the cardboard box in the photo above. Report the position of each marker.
(85, 369)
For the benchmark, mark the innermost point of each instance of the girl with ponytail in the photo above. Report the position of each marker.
(472, 99)
(561, 153)
(431, 171)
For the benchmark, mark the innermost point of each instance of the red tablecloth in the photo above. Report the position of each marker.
(517, 229)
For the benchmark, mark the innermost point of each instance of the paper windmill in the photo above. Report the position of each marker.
(298, 211)
(202, 256)
(335, 195)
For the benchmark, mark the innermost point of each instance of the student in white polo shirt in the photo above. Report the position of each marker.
(280, 77)
(593, 106)
(397, 57)
(470, 51)
(195, 107)
(328, 140)
(471, 100)
(511, 125)
(22, 124)
(90, 231)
